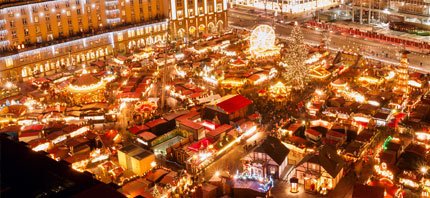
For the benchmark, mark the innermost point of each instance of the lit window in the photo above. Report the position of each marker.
(9, 62)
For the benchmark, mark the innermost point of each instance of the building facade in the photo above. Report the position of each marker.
(194, 18)
(46, 21)
(287, 6)
(370, 11)
(44, 37)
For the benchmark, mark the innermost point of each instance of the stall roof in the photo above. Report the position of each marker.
(234, 104)
(36, 127)
(156, 175)
(147, 136)
(138, 128)
(188, 116)
(174, 115)
(154, 123)
(203, 143)
(191, 124)
(221, 129)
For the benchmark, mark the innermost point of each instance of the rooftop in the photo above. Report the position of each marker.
(45, 177)
(234, 104)
(143, 154)
(274, 148)
(327, 158)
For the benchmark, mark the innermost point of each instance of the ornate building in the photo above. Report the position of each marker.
(42, 37)
(194, 18)
(287, 6)
(369, 11)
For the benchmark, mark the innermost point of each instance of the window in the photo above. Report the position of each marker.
(179, 14)
(57, 6)
(70, 32)
(36, 19)
(78, 11)
(67, 4)
(23, 12)
(26, 31)
(77, 2)
(69, 21)
(34, 9)
(48, 27)
(12, 23)
(14, 34)
(39, 39)
(9, 62)
(219, 7)
(24, 21)
(68, 13)
(141, 10)
(47, 19)
(58, 17)
(46, 7)
(37, 29)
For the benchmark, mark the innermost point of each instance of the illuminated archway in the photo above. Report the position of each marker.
(220, 26)
(202, 28)
(157, 38)
(131, 44)
(141, 42)
(181, 33)
(149, 41)
(192, 30)
(211, 27)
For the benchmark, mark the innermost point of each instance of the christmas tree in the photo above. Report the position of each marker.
(295, 70)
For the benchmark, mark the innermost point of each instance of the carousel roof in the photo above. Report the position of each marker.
(238, 61)
(85, 80)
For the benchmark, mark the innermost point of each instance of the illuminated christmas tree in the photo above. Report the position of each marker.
(295, 71)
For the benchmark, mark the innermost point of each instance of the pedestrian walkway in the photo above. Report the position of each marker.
(345, 186)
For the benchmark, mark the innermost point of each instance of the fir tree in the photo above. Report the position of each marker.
(295, 70)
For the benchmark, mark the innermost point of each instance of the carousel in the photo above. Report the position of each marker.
(86, 89)
(279, 91)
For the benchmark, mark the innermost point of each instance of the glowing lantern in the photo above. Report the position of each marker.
(294, 185)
